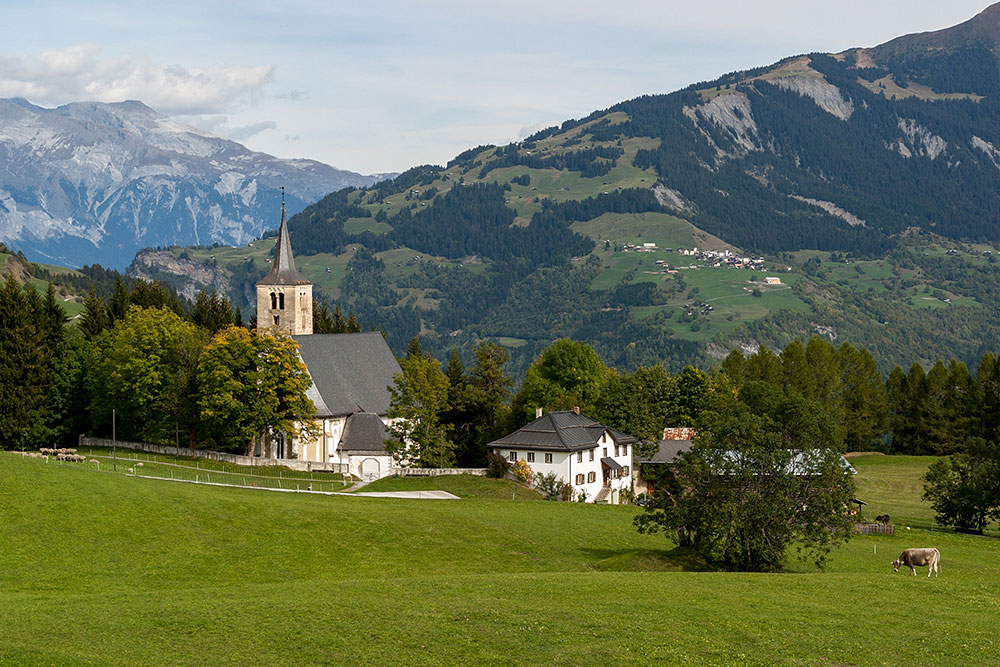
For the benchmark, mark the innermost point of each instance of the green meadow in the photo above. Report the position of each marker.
(98, 568)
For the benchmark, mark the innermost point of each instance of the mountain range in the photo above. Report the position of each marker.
(93, 183)
(849, 195)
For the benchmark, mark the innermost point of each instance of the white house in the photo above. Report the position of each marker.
(591, 457)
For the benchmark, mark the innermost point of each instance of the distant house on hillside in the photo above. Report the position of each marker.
(351, 375)
(594, 459)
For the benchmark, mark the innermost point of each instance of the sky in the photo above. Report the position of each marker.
(380, 86)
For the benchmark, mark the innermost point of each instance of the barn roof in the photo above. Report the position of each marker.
(560, 431)
(350, 372)
(667, 451)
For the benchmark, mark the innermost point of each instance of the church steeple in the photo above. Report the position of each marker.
(283, 271)
(284, 285)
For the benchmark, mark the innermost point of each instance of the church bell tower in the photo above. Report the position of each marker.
(284, 296)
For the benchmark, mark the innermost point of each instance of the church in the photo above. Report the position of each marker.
(351, 374)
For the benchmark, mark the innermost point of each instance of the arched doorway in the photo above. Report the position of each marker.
(370, 469)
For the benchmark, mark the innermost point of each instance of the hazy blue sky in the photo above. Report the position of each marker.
(382, 86)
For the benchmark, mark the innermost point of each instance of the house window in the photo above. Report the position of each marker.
(624, 450)
(579, 457)
(591, 476)
(591, 454)
(531, 457)
(605, 454)
(579, 478)
(625, 471)
(548, 458)
(616, 449)
(512, 456)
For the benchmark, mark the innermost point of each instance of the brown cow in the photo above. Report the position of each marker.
(919, 558)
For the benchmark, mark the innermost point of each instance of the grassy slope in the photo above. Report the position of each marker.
(96, 568)
(463, 486)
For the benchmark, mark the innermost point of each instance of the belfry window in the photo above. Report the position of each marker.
(274, 300)
(281, 301)
(277, 319)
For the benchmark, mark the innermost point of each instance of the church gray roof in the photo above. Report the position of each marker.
(350, 372)
(560, 431)
(363, 432)
(283, 271)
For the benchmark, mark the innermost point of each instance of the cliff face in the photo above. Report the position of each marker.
(188, 276)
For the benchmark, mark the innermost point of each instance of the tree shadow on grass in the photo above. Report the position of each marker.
(678, 559)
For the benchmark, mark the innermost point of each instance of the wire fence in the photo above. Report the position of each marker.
(161, 466)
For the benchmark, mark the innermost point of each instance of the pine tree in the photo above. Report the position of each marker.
(25, 366)
(95, 317)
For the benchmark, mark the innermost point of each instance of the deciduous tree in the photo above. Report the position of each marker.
(418, 399)
(143, 369)
(252, 384)
(761, 478)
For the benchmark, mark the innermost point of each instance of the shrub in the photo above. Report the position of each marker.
(523, 472)
(497, 466)
(550, 485)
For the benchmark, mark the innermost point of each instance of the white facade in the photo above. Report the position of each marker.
(582, 469)
(367, 466)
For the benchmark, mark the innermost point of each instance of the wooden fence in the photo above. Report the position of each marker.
(872, 528)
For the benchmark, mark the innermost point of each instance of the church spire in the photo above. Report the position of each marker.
(283, 271)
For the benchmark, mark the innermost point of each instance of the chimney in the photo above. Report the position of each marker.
(538, 412)
(576, 409)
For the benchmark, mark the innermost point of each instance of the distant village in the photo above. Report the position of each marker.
(715, 258)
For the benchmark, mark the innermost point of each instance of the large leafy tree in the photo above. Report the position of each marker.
(641, 403)
(252, 384)
(143, 370)
(418, 401)
(762, 477)
(964, 489)
(566, 374)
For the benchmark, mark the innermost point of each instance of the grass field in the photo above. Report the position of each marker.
(104, 569)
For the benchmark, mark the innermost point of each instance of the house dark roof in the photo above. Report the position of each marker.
(363, 432)
(283, 271)
(667, 451)
(560, 431)
(350, 372)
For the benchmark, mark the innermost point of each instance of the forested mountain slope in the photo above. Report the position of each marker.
(864, 181)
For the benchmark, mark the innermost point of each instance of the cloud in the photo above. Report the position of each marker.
(245, 132)
(78, 73)
(289, 138)
(219, 126)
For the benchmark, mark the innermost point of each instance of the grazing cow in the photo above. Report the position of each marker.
(913, 558)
